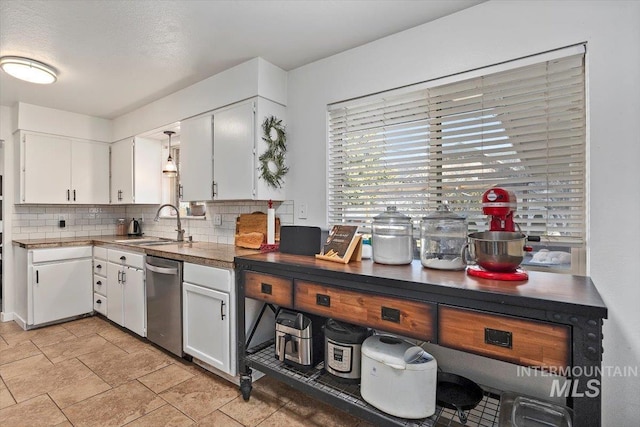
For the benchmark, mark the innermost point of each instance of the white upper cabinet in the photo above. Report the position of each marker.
(63, 170)
(219, 153)
(90, 172)
(136, 171)
(233, 156)
(196, 158)
(122, 171)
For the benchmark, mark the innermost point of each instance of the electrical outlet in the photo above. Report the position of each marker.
(217, 219)
(302, 211)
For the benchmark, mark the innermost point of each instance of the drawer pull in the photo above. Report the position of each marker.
(99, 282)
(266, 288)
(497, 337)
(123, 258)
(323, 300)
(390, 314)
(99, 301)
(99, 266)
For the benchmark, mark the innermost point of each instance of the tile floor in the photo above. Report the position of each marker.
(89, 372)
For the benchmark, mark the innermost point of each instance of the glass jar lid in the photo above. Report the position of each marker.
(443, 212)
(392, 216)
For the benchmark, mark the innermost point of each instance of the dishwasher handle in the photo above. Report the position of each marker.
(161, 270)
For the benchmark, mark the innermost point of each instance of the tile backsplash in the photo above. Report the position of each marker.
(42, 221)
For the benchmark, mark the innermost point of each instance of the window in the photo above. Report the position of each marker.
(520, 126)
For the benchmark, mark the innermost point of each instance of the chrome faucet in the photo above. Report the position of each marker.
(179, 229)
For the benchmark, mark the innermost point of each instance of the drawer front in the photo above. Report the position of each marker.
(268, 288)
(100, 267)
(405, 317)
(99, 252)
(524, 342)
(61, 254)
(100, 304)
(100, 284)
(127, 258)
(219, 279)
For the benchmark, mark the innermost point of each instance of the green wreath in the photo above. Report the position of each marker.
(272, 167)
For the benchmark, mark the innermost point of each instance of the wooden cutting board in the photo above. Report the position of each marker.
(249, 224)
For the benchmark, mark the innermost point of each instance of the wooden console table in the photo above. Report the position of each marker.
(552, 321)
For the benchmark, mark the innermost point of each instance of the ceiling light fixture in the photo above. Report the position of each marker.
(28, 69)
(170, 169)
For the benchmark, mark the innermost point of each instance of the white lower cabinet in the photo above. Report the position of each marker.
(208, 314)
(60, 290)
(206, 326)
(126, 302)
(52, 284)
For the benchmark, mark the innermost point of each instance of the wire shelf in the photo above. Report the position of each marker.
(485, 414)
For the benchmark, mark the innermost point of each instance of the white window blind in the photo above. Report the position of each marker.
(522, 129)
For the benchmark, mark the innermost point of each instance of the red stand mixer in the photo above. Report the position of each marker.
(499, 251)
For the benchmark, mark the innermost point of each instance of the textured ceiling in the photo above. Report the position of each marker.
(114, 56)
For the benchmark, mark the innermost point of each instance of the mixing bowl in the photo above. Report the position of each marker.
(500, 251)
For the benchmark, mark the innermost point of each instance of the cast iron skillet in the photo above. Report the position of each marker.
(459, 393)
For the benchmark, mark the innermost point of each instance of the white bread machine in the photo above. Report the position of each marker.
(398, 378)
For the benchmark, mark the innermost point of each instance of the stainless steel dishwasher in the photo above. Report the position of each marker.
(164, 303)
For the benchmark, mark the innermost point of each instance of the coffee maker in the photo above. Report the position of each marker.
(299, 340)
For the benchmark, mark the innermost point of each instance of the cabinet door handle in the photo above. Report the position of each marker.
(68, 195)
(124, 278)
(74, 195)
(119, 274)
(37, 277)
(222, 310)
(180, 191)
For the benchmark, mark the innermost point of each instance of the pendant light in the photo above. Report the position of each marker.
(28, 69)
(170, 169)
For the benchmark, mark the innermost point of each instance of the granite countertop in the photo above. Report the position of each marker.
(204, 253)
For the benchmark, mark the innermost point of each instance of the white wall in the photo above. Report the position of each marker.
(58, 122)
(251, 78)
(6, 125)
(487, 34)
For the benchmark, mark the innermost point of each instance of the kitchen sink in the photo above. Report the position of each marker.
(146, 241)
(162, 242)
